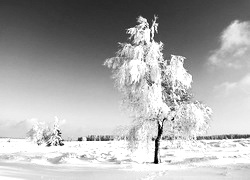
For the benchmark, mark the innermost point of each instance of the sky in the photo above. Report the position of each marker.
(52, 54)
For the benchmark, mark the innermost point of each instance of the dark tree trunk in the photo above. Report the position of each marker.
(157, 158)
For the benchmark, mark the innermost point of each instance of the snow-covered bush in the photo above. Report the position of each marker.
(41, 133)
(56, 136)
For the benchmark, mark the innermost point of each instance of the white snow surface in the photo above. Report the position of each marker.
(231, 158)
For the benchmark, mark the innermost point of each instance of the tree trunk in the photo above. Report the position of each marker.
(157, 158)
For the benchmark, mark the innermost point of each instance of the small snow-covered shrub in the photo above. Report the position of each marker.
(56, 136)
(41, 133)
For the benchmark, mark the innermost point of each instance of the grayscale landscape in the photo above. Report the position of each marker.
(122, 89)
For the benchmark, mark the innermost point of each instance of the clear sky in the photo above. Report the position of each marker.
(52, 54)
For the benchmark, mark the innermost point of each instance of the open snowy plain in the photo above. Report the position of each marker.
(99, 160)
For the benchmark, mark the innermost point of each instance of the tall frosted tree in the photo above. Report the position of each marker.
(155, 91)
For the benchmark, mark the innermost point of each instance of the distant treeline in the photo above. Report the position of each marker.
(99, 138)
(212, 137)
(224, 136)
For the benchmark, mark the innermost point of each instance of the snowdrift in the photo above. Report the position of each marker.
(230, 157)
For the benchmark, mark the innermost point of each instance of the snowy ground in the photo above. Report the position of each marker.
(217, 159)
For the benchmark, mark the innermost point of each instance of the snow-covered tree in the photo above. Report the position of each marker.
(56, 136)
(39, 133)
(155, 91)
